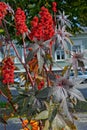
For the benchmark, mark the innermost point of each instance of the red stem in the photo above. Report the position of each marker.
(17, 54)
(15, 110)
(25, 65)
(47, 75)
(4, 126)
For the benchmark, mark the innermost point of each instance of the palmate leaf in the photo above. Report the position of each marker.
(24, 103)
(46, 126)
(64, 19)
(52, 115)
(77, 94)
(64, 106)
(58, 123)
(24, 106)
(42, 115)
(59, 93)
(44, 93)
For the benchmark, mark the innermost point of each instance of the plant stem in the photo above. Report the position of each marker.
(15, 110)
(46, 75)
(25, 65)
(4, 126)
(17, 54)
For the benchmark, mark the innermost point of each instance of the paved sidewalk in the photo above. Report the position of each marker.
(15, 124)
(82, 122)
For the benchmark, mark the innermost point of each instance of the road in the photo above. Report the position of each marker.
(15, 124)
(13, 91)
(82, 122)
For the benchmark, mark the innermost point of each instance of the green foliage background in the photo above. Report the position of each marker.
(76, 9)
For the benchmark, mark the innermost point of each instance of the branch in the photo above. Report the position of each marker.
(15, 110)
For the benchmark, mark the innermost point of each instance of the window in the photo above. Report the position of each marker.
(76, 48)
(59, 54)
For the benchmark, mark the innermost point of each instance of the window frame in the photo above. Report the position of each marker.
(61, 53)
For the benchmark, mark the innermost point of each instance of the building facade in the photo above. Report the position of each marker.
(79, 45)
(59, 55)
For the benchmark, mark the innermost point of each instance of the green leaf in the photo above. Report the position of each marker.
(53, 114)
(46, 127)
(42, 115)
(24, 107)
(58, 123)
(43, 93)
(1, 30)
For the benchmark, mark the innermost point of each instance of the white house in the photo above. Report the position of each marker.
(59, 56)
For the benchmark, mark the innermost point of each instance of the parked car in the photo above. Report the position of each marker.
(81, 84)
(80, 74)
(18, 81)
(80, 81)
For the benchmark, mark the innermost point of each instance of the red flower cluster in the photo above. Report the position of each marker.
(20, 19)
(8, 71)
(54, 6)
(3, 10)
(41, 85)
(42, 28)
